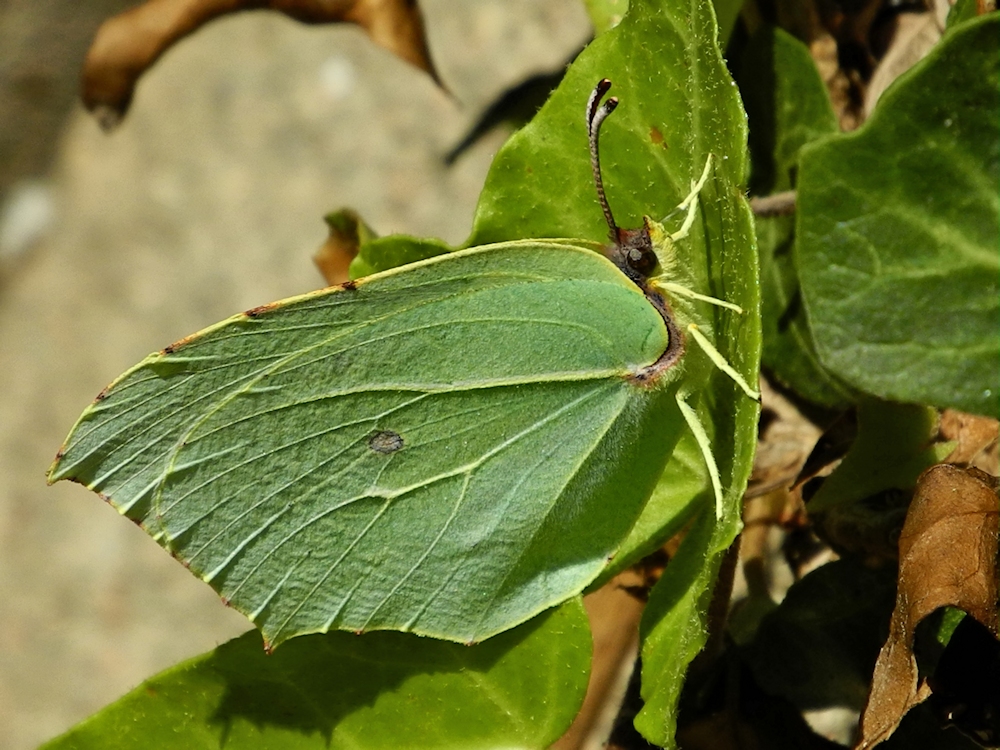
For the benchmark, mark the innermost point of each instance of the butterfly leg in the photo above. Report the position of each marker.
(701, 437)
(690, 203)
(719, 361)
(685, 292)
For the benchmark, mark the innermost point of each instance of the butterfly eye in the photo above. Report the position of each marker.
(641, 260)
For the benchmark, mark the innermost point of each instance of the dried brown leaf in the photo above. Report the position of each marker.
(128, 44)
(830, 448)
(614, 616)
(347, 233)
(915, 34)
(975, 439)
(783, 443)
(948, 557)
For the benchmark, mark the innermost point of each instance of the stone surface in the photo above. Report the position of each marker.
(207, 200)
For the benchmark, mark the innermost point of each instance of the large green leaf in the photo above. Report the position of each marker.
(678, 105)
(788, 106)
(895, 444)
(818, 647)
(447, 448)
(381, 691)
(899, 233)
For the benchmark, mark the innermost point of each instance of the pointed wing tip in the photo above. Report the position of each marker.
(58, 471)
(52, 474)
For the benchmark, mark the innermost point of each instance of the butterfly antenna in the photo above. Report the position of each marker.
(595, 116)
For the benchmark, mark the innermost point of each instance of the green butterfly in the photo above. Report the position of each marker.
(447, 448)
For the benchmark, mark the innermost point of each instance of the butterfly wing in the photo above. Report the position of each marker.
(446, 448)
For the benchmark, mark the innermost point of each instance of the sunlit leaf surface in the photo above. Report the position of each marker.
(381, 691)
(899, 233)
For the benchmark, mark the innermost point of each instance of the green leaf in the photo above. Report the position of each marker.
(674, 626)
(788, 107)
(448, 448)
(388, 691)
(673, 630)
(678, 105)
(818, 647)
(673, 623)
(894, 446)
(899, 234)
(961, 11)
(385, 253)
(605, 14)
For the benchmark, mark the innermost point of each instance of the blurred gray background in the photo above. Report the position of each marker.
(206, 201)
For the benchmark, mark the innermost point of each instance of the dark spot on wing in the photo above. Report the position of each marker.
(385, 441)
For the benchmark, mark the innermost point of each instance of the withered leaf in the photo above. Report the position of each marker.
(975, 439)
(947, 557)
(784, 435)
(347, 233)
(128, 44)
(914, 35)
(830, 447)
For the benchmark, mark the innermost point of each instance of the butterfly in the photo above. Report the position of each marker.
(447, 448)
